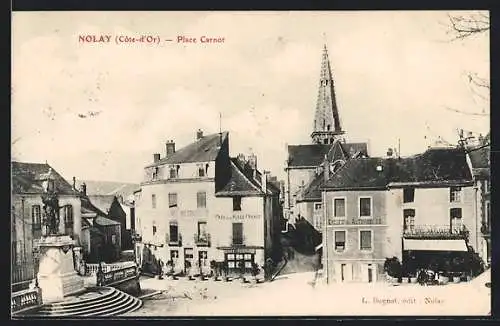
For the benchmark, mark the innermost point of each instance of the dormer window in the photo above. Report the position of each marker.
(201, 171)
(155, 173)
(174, 171)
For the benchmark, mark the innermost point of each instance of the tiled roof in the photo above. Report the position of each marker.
(204, 150)
(103, 221)
(27, 179)
(314, 154)
(88, 207)
(242, 182)
(313, 191)
(436, 166)
(480, 157)
(103, 202)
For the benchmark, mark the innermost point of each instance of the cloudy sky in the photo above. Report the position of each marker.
(396, 74)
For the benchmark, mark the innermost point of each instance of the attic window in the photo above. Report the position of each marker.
(201, 171)
(174, 172)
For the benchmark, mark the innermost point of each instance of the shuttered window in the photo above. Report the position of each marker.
(365, 240)
(201, 199)
(340, 240)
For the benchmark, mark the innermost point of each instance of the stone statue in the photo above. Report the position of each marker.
(51, 214)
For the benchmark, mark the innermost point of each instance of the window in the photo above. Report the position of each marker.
(201, 171)
(174, 255)
(408, 195)
(365, 240)
(409, 220)
(455, 194)
(174, 172)
(456, 220)
(317, 206)
(153, 201)
(36, 217)
(155, 173)
(174, 232)
(237, 233)
(201, 199)
(202, 231)
(365, 207)
(237, 203)
(325, 141)
(172, 199)
(113, 239)
(154, 229)
(68, 216)
(339, 207)
(340, 240)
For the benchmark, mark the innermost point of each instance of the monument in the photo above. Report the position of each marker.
(57, 277)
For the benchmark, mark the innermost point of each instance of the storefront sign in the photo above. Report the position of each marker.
(238, 217)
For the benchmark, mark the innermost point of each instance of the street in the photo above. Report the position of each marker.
(293, 295)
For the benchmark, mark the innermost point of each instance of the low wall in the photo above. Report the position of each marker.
(131, 286)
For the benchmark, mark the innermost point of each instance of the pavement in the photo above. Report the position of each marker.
(294, 295)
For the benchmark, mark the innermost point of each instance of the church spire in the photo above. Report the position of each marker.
(326, 119)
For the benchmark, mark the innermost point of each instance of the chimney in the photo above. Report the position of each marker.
(74, 183)
(252, 161)
(199, 134)
(390, 152)
(265, 177)
(156, 157)
(326, 169)
(241, 159)
(170, 148)
(83, 189)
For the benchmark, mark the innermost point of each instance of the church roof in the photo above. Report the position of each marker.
(312, 155)
(205, 149)
(27, 178)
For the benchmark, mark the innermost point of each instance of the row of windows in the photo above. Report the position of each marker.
(364, 207)
(36, 216)
(365, 240)
(202, 171)
(455, 218)
(202, 235)
(201, 200)
(455, 195)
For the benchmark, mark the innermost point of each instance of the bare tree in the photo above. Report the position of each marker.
(463, 26)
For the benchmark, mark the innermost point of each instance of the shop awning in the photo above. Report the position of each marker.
(435, 244)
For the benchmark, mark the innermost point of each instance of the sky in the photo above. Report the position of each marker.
(395, 74)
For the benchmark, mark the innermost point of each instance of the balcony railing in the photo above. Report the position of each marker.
(238, 241)
(355, 221)
(91, 269)
(174, 242)
(114, 276)
(436, 232)
(202, 240)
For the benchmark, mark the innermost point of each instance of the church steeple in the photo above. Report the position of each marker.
(326, 119)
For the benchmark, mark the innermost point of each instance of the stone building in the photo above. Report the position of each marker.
(29, 182)
(197, 205)
(417, 208)
(305, 162)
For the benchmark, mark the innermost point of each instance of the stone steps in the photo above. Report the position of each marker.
(109, 302)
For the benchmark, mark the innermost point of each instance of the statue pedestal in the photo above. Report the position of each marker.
(56, 274)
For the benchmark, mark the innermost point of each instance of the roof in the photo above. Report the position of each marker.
(103, 221)
(88, 207)
(27, 179)
(205, 149)
(313, 191)
(436, 166)
(242, 182)
(314, 154)
(103, 202)
(479, 157)
(95, 187)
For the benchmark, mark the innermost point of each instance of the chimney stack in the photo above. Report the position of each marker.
(170, 148)
(390, 152)
(265, 177)
(156, 157)
(199, 134)
(252, 161)
(241, 159)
